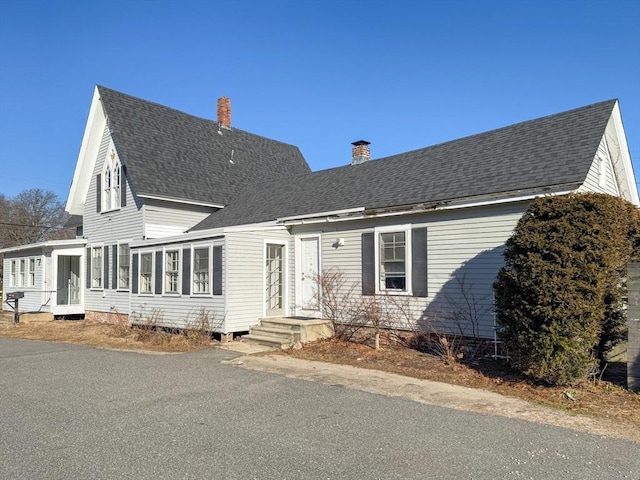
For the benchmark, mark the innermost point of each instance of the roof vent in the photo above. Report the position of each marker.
(224, 112)
(360, 152)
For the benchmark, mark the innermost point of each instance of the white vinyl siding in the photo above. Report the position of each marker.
(163, 219)
(601, 177)
(245, 274)
(464, 254)
(38, 291)
(184, 310)
(110, 228)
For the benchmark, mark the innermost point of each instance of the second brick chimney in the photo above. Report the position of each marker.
(360, 152)
(224, 112)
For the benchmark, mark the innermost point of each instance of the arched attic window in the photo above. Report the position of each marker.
(112, 184)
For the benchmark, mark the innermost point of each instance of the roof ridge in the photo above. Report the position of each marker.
(524, 122)
(197, 117)
(373, 161)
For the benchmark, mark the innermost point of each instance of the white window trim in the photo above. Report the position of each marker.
(153, 273)
(178, 291)
(101, 247)
(406, 228)
(119, 288)
(209, 247)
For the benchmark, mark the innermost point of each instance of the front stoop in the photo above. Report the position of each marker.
(283, 332)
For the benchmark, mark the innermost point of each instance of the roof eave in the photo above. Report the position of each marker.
(96, 121)
(180, 200)
(50, 243)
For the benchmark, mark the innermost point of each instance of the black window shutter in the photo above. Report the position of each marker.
(217, 270)
(186, 271)
(105, 270)
(88, 277)
(114, 269)
(419, 262)
(368, 264)
(98, 193)
(134, 273)
(123, 186)
(159, 273)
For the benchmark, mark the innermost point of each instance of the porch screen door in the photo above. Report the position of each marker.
(274, 280)
(68, 281)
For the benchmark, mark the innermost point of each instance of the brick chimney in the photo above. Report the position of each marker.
(360, 152)
(224, 112)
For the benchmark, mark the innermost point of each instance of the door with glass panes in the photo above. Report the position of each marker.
(274, 280)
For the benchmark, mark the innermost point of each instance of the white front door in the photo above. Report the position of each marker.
(308, 276)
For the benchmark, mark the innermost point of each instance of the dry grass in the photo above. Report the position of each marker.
(109, 336)
(605, 399)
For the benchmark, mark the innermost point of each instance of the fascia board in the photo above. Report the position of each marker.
(94, 128)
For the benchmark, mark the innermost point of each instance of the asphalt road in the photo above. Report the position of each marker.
(69, 411)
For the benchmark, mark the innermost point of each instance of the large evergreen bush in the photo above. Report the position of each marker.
(559, 297)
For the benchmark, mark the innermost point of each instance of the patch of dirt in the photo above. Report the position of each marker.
(605, 400)
(107, 336)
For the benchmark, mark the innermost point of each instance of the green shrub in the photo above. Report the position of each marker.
(559, 297)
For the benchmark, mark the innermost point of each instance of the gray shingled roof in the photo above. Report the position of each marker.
(171, 154)
(553, 150)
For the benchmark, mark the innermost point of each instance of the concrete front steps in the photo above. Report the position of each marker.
(285, 332)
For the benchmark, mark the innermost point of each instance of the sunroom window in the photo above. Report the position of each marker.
(146, 272)
(32, 272)
(123, 266)
(201, 268)
(13, 278)
(96, 267)
(171, 271)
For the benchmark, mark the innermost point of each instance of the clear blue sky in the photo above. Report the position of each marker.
(317, 74)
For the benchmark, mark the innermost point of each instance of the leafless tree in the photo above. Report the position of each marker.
(33, 216)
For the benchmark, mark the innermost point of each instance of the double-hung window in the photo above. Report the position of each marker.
(22, 279)
(201, 269)
(96, 267)
(171, 271)
(394, 261)
(32, 272)
(13, 276)
(391, 260)
(123, 266)
(146, 273)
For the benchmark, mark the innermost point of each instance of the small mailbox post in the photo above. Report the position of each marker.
(15, 297)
